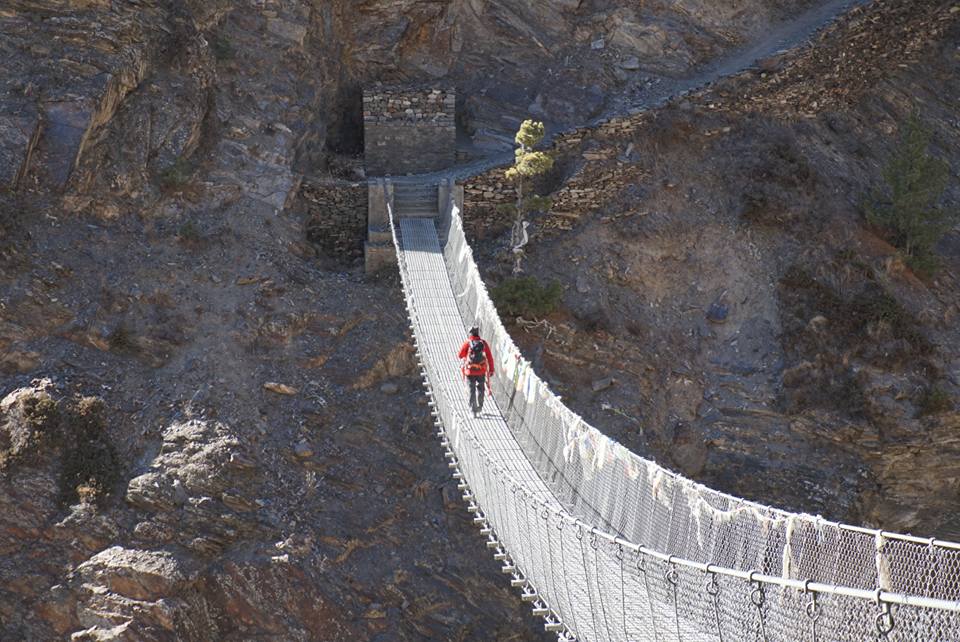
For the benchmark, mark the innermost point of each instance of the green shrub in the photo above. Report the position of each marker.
(934, 401)
(120, 339)
(189, 232)
(907, 206)
(91, 466)
(526, 297)
(177, 174)
(222, 48)
(76, 430)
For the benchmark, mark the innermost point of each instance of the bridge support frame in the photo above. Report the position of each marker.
(378, 250)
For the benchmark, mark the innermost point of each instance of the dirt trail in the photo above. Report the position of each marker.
(791, 35)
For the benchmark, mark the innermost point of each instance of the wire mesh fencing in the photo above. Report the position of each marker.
(623, 549)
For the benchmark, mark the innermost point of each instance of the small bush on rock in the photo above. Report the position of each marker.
(177, 174)
(223, 48)
(91, 467)
(935, 401)
(41, 420)
(72, 432)
(42, 413)
(526, 297)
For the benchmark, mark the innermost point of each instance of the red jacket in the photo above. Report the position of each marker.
(477, 369)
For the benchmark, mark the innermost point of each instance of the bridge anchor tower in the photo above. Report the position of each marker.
(408, 132)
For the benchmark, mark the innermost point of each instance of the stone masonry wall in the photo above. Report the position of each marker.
(336, 215)
(408, 131)
(590, 181)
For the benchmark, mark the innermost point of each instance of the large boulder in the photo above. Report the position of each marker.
(142, 575)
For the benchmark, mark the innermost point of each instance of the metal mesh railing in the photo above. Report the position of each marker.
(620, 548)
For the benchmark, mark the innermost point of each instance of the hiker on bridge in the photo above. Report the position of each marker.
(477, 363)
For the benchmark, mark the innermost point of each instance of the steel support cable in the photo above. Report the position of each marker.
(672, 579)
(525, 539)
(510, 517)
(712, 588)
(498, 513)
(615, 587)
(518, 516)
(593, 609)
(596, 576)
(813, 612)
(520, 529)
(565, 575)
(495, 512)
(623, 593)
(758, 598)
(539, 533)
(516, 548)
(544, 546)
(641, 565)
(549, 566)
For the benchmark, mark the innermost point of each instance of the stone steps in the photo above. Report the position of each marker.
(416, 212)
(415, 200)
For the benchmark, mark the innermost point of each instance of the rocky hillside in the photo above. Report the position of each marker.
(210, 431)
(111, 100)
(204, 435)
(728, 309)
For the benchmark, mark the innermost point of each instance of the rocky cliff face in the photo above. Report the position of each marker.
(205, 434)
(274, 480)
(768, 341)
(249, 478)
(116, 99)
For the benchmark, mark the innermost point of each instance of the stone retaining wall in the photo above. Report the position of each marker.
(594, 172)
(408, 131)
(336, 215)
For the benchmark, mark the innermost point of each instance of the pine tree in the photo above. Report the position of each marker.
(907, 207)
(527, 165)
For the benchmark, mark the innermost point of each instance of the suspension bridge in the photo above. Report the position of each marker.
(606, 545)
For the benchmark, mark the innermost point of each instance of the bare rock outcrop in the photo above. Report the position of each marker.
(127, 594)
(41, 472)
(198, 490)
(72, 68)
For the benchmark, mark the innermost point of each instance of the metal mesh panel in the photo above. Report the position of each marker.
(619, 547)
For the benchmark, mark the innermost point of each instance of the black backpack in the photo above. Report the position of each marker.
(476, 355)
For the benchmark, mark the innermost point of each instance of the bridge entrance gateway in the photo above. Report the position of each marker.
(605, 544)
(406, 131)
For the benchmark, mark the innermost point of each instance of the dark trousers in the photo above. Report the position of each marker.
(476, 383)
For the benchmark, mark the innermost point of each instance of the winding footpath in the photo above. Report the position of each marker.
(789, 36)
